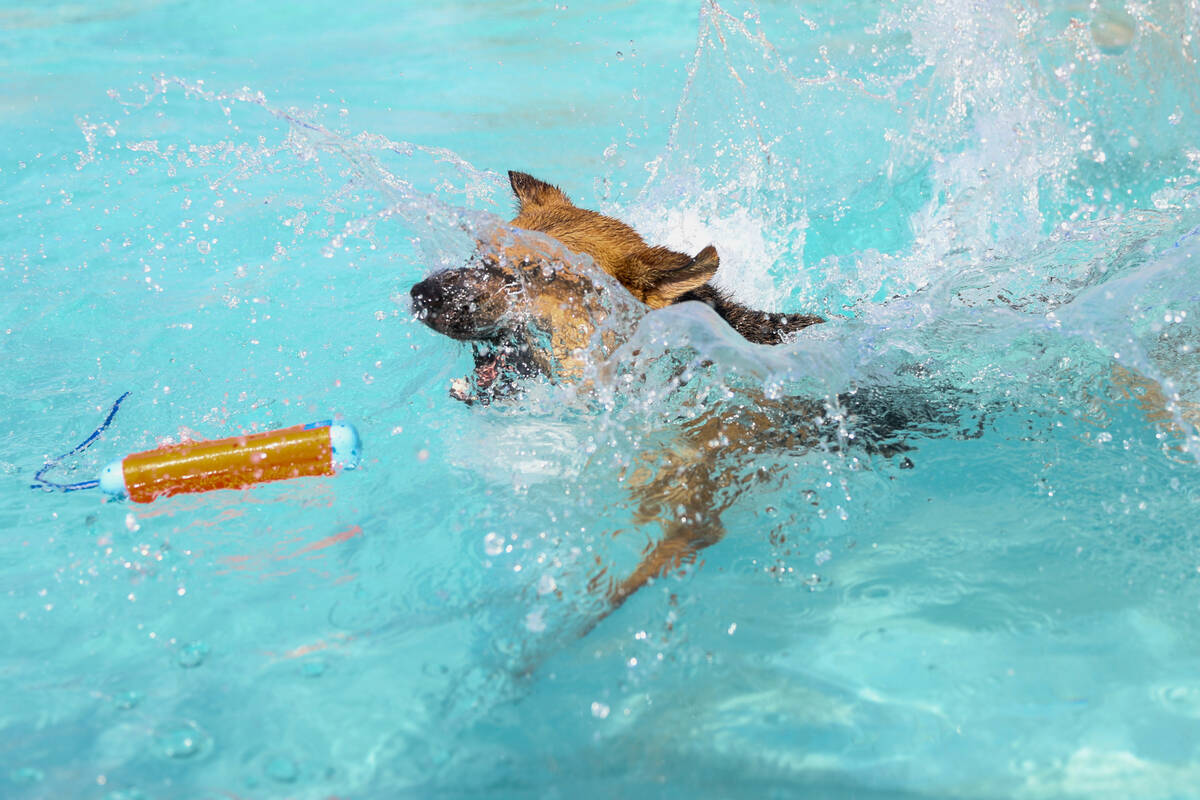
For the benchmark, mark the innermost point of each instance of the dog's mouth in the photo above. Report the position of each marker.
(500, 366)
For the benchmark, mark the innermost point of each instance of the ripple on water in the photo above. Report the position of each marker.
(183, 739)
(26, 775)
(193, 654)
(1179, 699)
(946, 601)
(872, 591)
(127, 794)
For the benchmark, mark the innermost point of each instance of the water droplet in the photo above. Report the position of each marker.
(535, 621)
(193, 654)
(182, 740)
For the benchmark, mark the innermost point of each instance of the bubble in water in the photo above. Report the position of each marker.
(600, 710)
(193, 654)
(182, 740)
(493, 544)
(282, 769)
(546, 584)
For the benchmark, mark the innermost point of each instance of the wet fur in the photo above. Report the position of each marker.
(544, 319)
(658, 276)
(685, 484)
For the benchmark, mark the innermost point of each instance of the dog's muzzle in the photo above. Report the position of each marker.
(467, 304)
(460, 303)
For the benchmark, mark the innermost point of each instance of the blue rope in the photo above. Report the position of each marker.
(50, 486)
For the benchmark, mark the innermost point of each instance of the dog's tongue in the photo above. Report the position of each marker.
(487, 370)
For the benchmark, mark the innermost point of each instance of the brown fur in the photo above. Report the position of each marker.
(658, 276)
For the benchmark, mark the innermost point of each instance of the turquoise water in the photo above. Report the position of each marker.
(220, 207)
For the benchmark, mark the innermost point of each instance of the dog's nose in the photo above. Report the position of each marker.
(424, 297)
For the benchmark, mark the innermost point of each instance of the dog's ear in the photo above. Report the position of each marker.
(531, 192)
(668, 282)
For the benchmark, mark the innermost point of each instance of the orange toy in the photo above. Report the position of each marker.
(320, 448)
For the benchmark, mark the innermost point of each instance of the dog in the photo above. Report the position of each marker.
(507, 303)
(528, 311)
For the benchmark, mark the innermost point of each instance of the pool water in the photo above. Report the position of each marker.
(220, 208)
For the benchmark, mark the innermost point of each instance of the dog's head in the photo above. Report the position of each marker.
(525, 302)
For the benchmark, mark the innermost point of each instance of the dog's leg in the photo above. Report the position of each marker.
(685, 486)
(1149, 396)
(676, 549)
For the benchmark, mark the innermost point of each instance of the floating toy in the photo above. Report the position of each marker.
(320, 448)
(238, 462)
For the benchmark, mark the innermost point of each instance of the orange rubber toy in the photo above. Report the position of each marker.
(320, 448)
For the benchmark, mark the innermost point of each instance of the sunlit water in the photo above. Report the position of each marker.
(994, 204)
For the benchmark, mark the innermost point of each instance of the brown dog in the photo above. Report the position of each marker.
(530, 306)
(530, 317)
(527, 308)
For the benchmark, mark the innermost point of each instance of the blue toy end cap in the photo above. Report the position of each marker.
(347, 447)
(112, 480)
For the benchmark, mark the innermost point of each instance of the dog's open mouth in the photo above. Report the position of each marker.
(499, 369)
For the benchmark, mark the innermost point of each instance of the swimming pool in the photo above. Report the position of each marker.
(221, 207)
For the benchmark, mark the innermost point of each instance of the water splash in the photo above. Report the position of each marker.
(999, 212)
